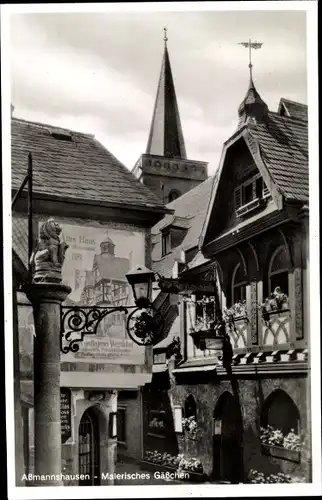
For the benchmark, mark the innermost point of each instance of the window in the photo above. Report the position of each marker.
(280, 411)
(250, 191)
(205, 310)
(173, 195)
(190, 407)
(278, 271)
(238, 293)
(121, 425)
(156, 422)
(159, 358)
(166, 243)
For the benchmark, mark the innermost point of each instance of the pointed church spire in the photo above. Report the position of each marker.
(166, 137)
(252, 106)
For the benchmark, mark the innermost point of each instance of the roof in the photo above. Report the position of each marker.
(111, 267)
(191, 206)
(74, 165)
(282, 142)
(283, 145)
(20, 238)
(293, 109)
(166, 137)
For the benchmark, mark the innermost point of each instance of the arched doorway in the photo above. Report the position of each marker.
(227, 440)
(88, 446)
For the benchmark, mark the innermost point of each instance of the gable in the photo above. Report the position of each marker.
(245, 190)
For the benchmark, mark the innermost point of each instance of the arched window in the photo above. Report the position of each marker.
(278, 271)
(280, 412)
(190, 407)
(238, 288)
(173, 195)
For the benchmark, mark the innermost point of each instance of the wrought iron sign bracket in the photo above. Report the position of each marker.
(143, 326)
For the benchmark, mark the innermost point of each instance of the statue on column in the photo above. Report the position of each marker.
(48, 258)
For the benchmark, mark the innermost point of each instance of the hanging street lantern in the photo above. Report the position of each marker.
(141, 278)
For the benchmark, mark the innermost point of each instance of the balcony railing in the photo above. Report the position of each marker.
(275, 327)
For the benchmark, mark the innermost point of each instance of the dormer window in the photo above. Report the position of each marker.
(250, 195)
(166, 242)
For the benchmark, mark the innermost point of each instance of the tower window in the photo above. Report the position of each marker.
(166, 243)
(173, 195)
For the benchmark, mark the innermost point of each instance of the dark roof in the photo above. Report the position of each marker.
(20, 238)
(166, 137)
(74, 165)
(293, 109)
(283, 145)
(191, 206)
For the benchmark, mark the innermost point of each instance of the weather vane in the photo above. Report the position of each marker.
(165, 35)
(251, 45)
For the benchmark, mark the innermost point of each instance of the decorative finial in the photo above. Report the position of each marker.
(251, 45)
(165, 38)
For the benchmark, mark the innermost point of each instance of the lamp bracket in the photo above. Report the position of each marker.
(144, 326)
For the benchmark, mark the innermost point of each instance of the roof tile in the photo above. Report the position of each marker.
(283, 144)
(73, 165)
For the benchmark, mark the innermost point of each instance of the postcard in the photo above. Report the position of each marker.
(161, 249)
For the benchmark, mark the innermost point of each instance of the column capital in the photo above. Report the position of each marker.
(48, 292)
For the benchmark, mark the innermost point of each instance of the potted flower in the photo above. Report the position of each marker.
(276, 444)
(193, 466)
(156, 424)
(236, 311)
(278, 301)
(190, 426)
(154, 459)
(256, 477)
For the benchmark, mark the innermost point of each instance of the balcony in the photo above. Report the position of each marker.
(238, 329)
(275, 327)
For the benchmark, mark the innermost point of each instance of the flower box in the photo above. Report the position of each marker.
(280, 452)
(207, 339)
(195, 477)
(152, 467)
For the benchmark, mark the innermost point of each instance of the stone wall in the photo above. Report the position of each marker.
(251, 394)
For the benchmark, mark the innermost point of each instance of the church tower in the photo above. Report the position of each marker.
(164, 167)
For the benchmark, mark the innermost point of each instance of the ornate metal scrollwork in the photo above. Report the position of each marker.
(144, 326)
(82, 321)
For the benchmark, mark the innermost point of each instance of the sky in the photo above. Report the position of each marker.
(98, 72)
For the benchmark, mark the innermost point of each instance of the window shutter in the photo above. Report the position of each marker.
(265, 190)
(238, 197)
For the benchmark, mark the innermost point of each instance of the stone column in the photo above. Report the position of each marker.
(46, 294)
(47, 299)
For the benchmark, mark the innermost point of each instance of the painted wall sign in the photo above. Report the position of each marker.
(65, 414)
(95, 266)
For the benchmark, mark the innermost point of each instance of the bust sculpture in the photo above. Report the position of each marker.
(48, 258)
